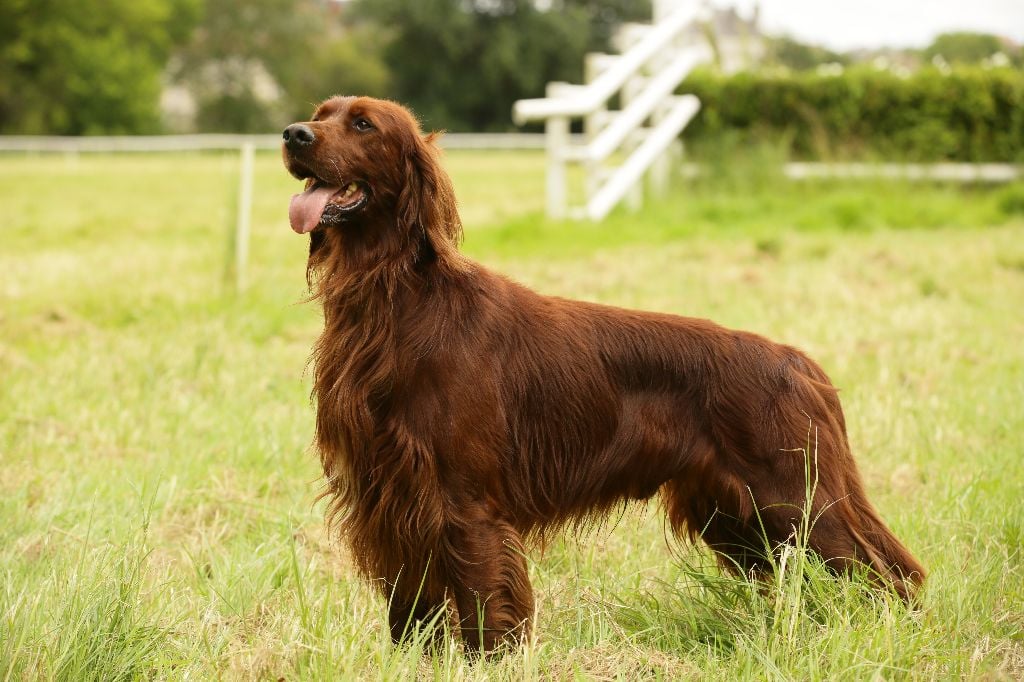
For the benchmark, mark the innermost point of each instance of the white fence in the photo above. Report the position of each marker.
(246, 146)
(797, 170)
(935, 172)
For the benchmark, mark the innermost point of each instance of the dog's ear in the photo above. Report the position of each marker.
(426, 202)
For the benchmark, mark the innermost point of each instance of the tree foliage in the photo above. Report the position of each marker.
(603, 17)
(100, 66)
(971, 114)
(461, 64)
(964, 47)
(799, 56)
(256, 65)
(347, 62)
(86, 67)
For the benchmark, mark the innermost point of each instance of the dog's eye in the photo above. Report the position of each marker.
(362, 125)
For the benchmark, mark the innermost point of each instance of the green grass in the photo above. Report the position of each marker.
(157, 486)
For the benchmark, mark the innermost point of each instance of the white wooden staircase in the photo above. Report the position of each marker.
(640, 137)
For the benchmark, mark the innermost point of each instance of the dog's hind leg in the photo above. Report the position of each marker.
(488, 576)
(813, 497)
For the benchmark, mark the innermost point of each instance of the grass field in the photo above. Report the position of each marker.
(157, 486)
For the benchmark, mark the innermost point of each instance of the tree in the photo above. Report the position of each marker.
(86, 67)
(964, 47)
(793, 54)
(462, 63)
(228, 64)
(604, 17)
(256, 65)
(346, 62)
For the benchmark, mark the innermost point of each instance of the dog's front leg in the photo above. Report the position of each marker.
(408, 615)
(414, 587)
(487, 570)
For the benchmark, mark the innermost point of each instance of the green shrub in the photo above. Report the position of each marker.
(969, 114)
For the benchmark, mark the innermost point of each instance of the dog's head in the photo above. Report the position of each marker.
(366, 164)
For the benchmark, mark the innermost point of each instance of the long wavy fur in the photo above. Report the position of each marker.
(460, 414)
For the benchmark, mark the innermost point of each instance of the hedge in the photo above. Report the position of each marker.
(865, 113)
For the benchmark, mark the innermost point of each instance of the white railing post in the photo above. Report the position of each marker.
(244, 215)
(635, 196)
(630, 35)
(594, 63)
(659, 175)
(557, 143)
(557, 130)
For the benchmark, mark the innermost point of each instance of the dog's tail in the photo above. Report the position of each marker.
(879, 548)
(873, 543)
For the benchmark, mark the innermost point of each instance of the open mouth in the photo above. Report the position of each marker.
(324, 204)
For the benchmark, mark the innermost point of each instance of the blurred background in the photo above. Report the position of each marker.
(851, 184)
(921, 80)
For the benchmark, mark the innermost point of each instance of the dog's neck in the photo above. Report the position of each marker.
(367, 262)
(368, 282)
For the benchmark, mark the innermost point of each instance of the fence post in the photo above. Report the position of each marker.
(557, 129)
(244, 214)
(594, 63)
(660, 173)
(556, 141)
(631, 88)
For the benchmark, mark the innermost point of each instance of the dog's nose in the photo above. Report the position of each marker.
(298, 135)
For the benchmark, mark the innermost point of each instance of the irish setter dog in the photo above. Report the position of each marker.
(460, 414)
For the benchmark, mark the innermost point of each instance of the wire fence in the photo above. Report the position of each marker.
(213, 142)
(247, 145)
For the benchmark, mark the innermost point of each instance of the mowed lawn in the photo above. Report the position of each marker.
(157, 486)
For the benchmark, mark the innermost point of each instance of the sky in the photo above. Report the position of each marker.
(847, 24)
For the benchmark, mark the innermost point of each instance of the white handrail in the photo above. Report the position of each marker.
(630, 118)
(625, 176)
(589, 98)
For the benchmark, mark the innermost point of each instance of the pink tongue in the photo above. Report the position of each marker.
(305, 210)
